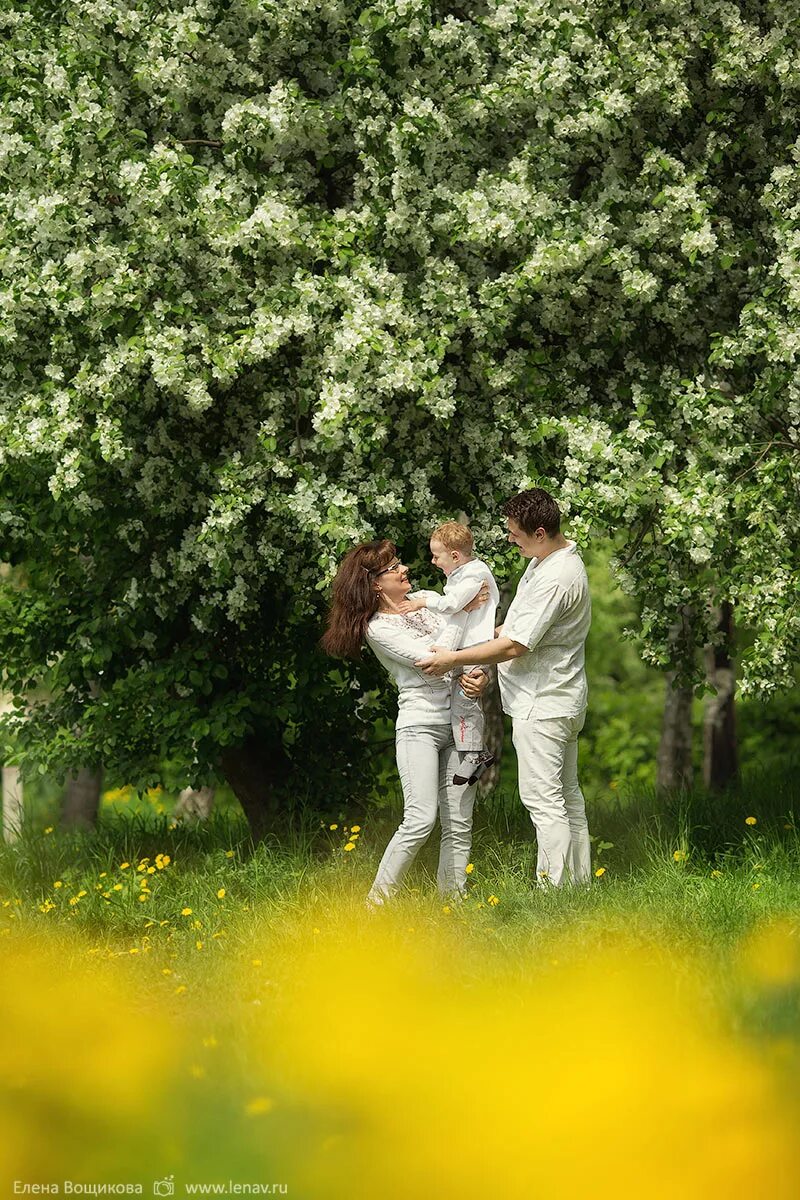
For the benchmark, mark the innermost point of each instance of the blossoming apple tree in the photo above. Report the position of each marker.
(280, 275)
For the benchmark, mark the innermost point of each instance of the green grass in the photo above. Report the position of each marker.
(684, 870)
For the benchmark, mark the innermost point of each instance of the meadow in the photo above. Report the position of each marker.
(178, 1006)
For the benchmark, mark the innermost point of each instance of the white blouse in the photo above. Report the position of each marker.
(397, 642)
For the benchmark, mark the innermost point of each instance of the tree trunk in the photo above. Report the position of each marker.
(493, 710)
(720, 757)
(674, 771)
(194, 804)
(674, 762)
(82, 799)
(494, 733)
(12, 804)
(253, 770)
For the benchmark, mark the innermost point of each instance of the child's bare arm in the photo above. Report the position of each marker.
(412, 605)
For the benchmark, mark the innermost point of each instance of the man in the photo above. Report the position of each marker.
(540, 652)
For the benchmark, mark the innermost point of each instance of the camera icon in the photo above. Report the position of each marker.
(164, 1187)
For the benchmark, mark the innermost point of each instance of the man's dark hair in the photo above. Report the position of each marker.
(534, 509)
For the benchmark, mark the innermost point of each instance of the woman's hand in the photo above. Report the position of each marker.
(479, 600)
(474, 684)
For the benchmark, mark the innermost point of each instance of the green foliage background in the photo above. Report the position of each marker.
(277, 277)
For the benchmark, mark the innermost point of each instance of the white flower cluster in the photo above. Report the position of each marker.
(275, 278)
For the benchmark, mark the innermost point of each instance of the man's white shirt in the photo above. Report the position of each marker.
(550, 614)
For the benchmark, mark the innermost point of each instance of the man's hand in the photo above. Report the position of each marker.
(437, 663)
(409, 606)
(474, 684)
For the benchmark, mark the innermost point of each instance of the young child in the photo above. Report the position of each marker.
(452, 551)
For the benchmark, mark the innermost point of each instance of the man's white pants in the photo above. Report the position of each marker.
(547, 755)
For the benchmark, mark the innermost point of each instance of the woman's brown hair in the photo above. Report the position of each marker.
(354, 598)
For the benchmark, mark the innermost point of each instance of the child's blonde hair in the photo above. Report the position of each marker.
(454, 536)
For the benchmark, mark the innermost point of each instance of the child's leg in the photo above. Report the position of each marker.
(466, 715)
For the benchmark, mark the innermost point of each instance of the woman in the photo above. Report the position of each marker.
(368, 588)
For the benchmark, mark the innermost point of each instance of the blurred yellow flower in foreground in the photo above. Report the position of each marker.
(606, 1062)
(71, 1046)
(770, 955)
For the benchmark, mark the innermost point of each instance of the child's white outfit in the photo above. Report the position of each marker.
(463, 585)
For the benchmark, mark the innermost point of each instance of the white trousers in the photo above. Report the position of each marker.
(547, 756)
(427, 759)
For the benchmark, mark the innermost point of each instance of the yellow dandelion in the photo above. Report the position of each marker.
(600, 872)
(199, 945)
(756, 885)
(493, 900)
(446, 908)
(49, 829)
(133, 950)
(180, 989)
(124, 866)
(355, 829)
(102, 875)
(751, 820)
(166, 970)
(469, 868)
(680, 855)
(117, 887)
(151, 870)
(186, 912)
(333, 827)
(143, 896)
(221, 894)
(58, 883)
(350, 846)
(229, 853)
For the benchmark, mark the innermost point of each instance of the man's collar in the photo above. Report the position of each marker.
(570, 548)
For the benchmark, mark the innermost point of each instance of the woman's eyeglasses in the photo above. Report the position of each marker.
(395, 566)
